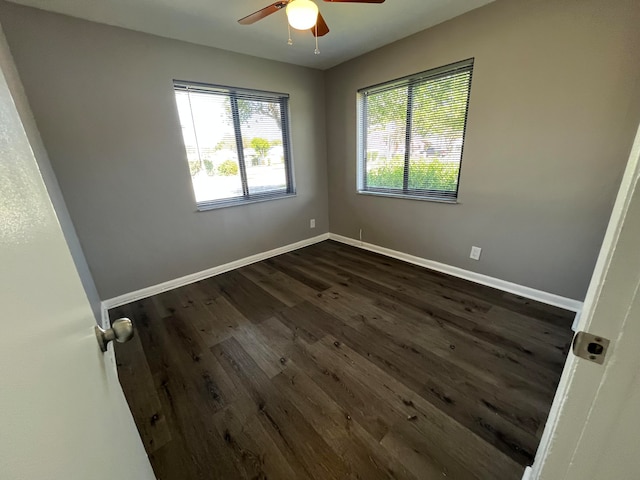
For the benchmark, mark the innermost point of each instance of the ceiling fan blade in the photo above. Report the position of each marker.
(355, 1)
(265, 12)
(322, 30)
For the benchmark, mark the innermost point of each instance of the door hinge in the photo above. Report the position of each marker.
(590, 347)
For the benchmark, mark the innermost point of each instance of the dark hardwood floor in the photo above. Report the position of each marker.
(331, 362)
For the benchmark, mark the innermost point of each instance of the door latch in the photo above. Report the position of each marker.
(590, 347)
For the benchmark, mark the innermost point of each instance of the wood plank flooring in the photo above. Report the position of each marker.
(331, 362)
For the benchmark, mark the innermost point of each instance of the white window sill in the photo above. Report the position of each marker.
(453, 201)
(214, 205)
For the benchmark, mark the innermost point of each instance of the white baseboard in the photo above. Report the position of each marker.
(209, 272)
(527, 292)
(521, 290)
(527, 474)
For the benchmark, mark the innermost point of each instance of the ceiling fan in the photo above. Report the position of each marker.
(301, 14)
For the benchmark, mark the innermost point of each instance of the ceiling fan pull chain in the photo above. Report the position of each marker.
(289, 42)
(316, 51)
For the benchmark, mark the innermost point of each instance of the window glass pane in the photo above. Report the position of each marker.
(386, 118)
(207, 129)
(261, 127)
(437, 131)
(411, 133)
(237, 143)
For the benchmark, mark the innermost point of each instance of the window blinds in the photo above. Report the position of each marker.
(237, 143)
(411, 133)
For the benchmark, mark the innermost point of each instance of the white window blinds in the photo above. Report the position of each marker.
(237, 143)
(411, 134)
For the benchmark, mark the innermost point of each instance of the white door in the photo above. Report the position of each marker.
(63, 415)
(594, 426)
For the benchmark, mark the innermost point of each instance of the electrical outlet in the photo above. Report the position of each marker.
(312, 223)
(475, 253)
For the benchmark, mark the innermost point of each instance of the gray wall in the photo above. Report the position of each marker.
(103, 100)
(554, 106)
(22, 105)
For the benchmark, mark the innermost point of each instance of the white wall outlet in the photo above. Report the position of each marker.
(475, 253)
(312, 223)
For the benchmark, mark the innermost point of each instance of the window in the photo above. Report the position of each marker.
(237, 144)
(411, 134)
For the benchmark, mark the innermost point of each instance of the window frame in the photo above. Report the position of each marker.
(409, 81)
(234, 94)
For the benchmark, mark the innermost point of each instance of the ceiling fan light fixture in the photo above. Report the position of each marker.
(302, 14)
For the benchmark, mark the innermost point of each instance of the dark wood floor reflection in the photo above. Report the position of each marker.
(331, 362)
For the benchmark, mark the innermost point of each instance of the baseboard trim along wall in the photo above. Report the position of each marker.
(521, 290)
(209, 272)
(527, 292)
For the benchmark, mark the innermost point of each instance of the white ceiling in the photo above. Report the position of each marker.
(355, 28)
